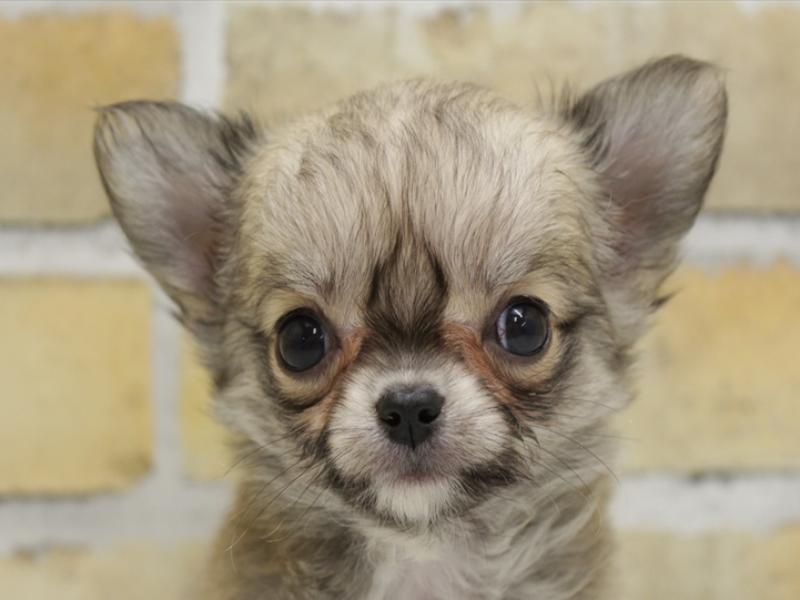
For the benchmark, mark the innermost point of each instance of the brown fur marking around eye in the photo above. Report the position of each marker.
(468, 345)
(316, 417)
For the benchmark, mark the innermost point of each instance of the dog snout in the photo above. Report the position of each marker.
(409, 414)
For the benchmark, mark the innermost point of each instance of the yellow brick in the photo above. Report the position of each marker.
(74, 362)
(719, 375)
(130, 572)
(533, 51)
(55, 69)
(288, 60)
(762, 61)
(285, 60)
(205, 449)
(718, 566)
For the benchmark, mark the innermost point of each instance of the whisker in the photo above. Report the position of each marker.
(265, 507)
(255, 496)
(593, 454)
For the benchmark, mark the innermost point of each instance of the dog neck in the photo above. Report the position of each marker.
(529, 543)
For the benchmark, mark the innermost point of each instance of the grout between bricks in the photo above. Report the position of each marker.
(101, 250)
(153, 512)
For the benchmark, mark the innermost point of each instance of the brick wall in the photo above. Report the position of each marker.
(112, 475)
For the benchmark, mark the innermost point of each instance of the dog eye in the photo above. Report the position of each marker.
(301, 342)
(522, 328)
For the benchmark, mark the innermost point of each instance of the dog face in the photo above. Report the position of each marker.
(425, 294)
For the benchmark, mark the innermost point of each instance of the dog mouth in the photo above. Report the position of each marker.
(422, 489)
(415, 472)
(431, 462)
(417, 476)
(399, 489)
(418, 493)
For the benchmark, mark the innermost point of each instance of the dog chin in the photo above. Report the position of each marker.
(414, 500)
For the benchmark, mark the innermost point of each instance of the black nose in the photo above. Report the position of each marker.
(409, 413)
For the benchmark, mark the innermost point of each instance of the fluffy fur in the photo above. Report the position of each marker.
(407, 217)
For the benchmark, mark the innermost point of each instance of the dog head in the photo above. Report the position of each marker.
(425, 293)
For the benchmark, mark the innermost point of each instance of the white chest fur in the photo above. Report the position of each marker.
(417, 571)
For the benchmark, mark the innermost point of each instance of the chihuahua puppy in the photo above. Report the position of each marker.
(419, 308)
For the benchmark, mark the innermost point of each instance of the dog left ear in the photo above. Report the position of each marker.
(169, 172)
(654, 136)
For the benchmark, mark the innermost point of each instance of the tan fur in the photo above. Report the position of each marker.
(406, 218)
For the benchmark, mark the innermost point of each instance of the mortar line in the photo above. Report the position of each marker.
(164, 360)
(77, 7)
(758, 504)
(100, 250)
(202, 27)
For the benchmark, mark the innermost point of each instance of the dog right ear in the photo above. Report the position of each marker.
(169, 172)
(653, 136)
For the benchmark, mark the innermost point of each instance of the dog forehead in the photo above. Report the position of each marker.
(453, 172)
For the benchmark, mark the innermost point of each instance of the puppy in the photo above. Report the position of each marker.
(419, 308)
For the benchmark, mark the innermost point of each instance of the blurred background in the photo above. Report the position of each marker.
(113, 476)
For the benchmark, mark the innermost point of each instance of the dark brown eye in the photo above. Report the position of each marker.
(522, 328)
(302, 342)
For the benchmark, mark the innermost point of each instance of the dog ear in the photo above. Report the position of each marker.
(169, 172)
(654, 136)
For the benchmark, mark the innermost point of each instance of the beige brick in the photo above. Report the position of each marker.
(130, 572)
(719, 375)
(526, 55)
(74, 362)
(717, 566)
(760, 169)
(55, 68)
(205, 448)
(286, 60)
